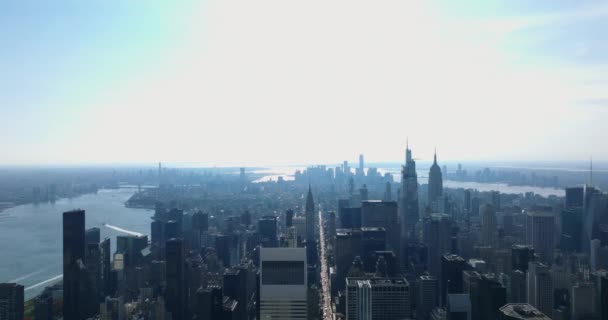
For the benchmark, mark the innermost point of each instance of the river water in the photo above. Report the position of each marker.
(287, 172)
(31, 235)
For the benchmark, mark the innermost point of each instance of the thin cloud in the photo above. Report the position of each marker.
(598, 102)
(518, 23)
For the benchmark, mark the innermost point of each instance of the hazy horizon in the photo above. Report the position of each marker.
(582, 166)
(237, 82)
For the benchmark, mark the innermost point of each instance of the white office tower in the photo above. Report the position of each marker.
(283, 292)
(291, 237)
(363, 299)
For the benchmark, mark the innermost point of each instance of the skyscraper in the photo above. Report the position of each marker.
(388, 194)
(73, 265)
(602, 287)
(451, 279)
(348, 245)
(382, 214)
(209, 302)
(94, 284)
(408, 199)
(583, 300)
(488, 225)
(458, 306)
(377, 298)
(311, 242)
(283, 290)
(521, 255)
(106, 268)
(540, 234)
(361, 170)
(428, 296)
(11, 301)
(540, 288)
(288, 218)
(435, 183)
(436, 236)
(490, 296)
(571, 229)
(176, 290)
(575, 197)
(267, 228)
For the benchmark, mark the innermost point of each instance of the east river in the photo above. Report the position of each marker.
(31, 235)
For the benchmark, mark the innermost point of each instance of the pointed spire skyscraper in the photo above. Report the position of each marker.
(435, 183)
(408, 198)
(311, 242)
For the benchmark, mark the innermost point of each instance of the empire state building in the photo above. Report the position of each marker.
(435, 183)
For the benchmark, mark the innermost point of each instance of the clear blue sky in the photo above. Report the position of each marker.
(246, 82)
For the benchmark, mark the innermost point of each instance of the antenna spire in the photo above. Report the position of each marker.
(591, 171)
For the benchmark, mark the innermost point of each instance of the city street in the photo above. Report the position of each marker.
(326, 292)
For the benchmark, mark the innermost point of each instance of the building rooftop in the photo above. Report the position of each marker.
(523, 311)
(378, 281)
(370, 229)
(438, 216)
(377, 203)
(521, 246)
(453, 257)
(347, 232)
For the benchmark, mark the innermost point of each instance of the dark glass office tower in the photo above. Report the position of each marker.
(106, 258)
(288, 218)
(200, 221)
(209, 303)
(93, 235)
(452, 267)
(267, 228)
(175, 297)
(572, 228)
(603, 286)
(521, 255)
(73, 264)
(575, 197)
(350, 218)
(11, 301)
(93, 284)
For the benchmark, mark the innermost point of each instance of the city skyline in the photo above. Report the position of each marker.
(213, 81)
(303, 160)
